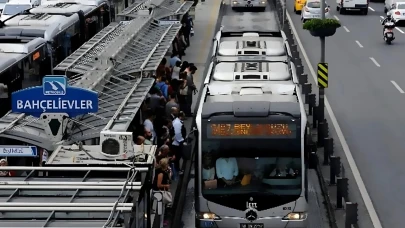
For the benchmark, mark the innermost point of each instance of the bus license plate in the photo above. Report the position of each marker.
(249, 5)
(251, 225)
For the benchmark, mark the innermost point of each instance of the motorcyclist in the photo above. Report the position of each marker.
(387, 19)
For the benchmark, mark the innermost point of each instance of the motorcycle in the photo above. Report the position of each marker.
(388, 31)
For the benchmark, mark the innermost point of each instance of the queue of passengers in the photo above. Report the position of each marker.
(168, 104)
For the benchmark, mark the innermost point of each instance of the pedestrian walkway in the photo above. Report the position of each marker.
(204, 27)
(197, 53)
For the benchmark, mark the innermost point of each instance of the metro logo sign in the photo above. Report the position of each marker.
(55, 96)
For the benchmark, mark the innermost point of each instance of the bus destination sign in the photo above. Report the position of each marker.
(252, 130)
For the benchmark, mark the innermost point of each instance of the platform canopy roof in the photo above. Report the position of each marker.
(133, 9)
(168, 8)
(72, 196)
(117, 63)
(161, 8)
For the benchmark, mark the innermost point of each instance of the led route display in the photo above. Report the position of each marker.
(254, 130)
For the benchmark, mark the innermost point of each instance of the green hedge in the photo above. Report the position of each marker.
(317, 24)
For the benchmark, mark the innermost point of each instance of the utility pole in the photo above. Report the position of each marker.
(321, 107)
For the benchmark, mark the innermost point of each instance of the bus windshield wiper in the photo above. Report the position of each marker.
(281, 114)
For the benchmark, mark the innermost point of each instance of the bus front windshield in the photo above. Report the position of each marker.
(10, 9)
(239, 174)
(237, 169)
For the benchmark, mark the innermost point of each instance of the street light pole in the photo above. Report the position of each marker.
(321, 107)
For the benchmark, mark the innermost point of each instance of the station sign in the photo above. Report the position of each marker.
(18, 151)
(55, 96)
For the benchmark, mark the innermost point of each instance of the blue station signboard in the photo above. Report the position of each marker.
(55, 96)
(18, 151)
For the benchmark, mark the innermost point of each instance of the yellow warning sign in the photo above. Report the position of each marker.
(322, 75)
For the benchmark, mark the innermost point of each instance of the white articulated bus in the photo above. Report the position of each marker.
(251, 163)
(252, 159)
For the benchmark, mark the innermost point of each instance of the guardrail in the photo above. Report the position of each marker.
(338, 179)
(324, 141)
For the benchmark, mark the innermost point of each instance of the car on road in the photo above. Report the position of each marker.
(398, 12)
(388, 4)
(249, 4)
(312, 9)
(352, 5)
(298, 5)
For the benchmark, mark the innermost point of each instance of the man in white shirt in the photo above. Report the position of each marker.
(148, 124)
(227, 170)
(177, 145)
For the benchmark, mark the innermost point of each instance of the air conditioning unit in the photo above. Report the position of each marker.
(115, 144)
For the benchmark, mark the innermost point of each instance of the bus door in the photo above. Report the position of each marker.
(42, 62)
(106, 17)
(36, 66)
(75, 41)
(13, 80)
(91, 26)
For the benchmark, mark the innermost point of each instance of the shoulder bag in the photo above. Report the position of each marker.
(167, 197)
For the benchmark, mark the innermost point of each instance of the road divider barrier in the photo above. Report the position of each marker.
(323, 140)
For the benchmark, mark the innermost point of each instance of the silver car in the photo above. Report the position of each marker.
(312, 9)
(249, 4)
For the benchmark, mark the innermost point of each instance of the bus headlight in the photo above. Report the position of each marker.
(235, 2)
(207, 216)
(263, 2)
(295, 216)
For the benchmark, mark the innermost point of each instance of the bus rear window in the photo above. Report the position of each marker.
(10, 9)
(314, 5)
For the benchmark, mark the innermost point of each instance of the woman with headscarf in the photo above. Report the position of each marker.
(5, 173)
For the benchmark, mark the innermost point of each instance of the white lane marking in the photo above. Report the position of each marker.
(371, 9)
(358, 43)
(399, 30)
(357, 177)
(336, 17)
(347, 30)
(397, 86)
(382, 17)
(375, 61)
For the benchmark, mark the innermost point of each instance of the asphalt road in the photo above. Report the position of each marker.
(366, 93)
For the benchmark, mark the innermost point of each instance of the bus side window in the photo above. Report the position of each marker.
(106, 16)
(75, 41)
